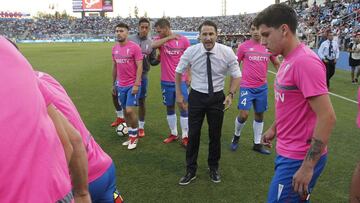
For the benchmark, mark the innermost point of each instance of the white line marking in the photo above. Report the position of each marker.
(333, 94)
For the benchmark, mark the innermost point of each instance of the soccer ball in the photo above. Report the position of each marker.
(122, 129)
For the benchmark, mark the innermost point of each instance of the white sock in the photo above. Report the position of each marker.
(120, 114)
(141, 124)
(184, 126)
(258, 129)
(238, 127)
(172, 122)
(132, 132)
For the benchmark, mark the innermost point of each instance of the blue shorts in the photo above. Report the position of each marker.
(144, 85)
(102, 189)
(126, 98)
(281, 189)
(256, 96)
(169, 92)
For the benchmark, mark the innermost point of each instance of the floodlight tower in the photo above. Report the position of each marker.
(223, 7)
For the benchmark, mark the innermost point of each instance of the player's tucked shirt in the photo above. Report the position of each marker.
(255, 58)
(301, 76)
(170, 54)
(33, 167)
(358, 117)
(55, 94)
(125, 58)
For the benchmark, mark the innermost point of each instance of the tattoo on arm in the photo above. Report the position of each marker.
(315, 150)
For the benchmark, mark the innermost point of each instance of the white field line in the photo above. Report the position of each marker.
(333, 94)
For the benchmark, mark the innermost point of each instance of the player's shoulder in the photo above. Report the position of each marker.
(115, 46)
(133, 44)
(307, 58)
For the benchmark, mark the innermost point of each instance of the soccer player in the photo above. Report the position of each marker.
(149, 54)
(127, 70)
(355, 182)
(304, 116)
(172, 46)
(101, 170)
(253, 87)
(33, 164)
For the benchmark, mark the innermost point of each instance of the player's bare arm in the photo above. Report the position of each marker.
(60, 129)
(158, 43)
(139, 71)
(114, 75)
(325, 114)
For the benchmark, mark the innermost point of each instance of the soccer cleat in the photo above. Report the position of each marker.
(117, 122)
(215, 176)
(234, 143)
(260, 148)
(170, 139)
(132, 142)
(185, 180)
(353, 82)
(141, 133)
(126, 143)
(356, 80)
(185, 141)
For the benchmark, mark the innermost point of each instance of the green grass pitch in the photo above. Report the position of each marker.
(151, 172)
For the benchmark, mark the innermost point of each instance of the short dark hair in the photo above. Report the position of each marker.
(208, 23)
(162, 22)
(123, 25)
(277, 14)
(144, 20)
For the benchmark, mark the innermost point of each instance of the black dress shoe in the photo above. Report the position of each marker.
(185, 180)
(215, 176)
(260, 148)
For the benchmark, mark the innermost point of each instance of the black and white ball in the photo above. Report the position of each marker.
(122, 129)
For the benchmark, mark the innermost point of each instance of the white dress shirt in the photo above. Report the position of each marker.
(223, 62)
(324, 50)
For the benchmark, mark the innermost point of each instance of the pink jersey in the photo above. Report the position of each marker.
(55, 94)
(301, 75)
(255, 58)
(33, 165)
(358, 117)
(125, 58)
(170, 54)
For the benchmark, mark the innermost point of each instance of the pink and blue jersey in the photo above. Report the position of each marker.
(125, 58)
(170, 54)
(358, 117)
(255, 58)
(33, 164)
(302, 75)
(55, 94)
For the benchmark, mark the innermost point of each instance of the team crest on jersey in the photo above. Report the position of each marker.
(146, 47)
(116, 52)
(251, 49)
(177, 43)
(127, 51)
